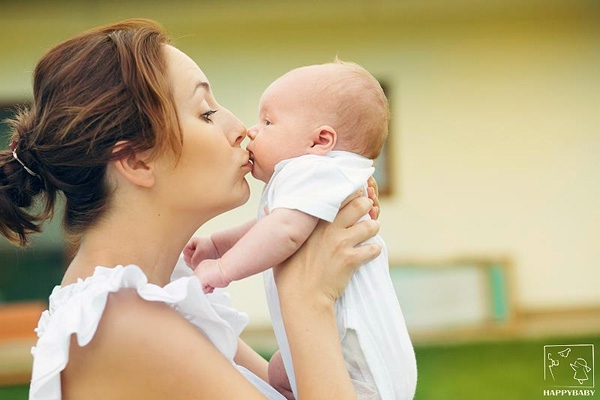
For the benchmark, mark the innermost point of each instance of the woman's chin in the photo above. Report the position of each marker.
(241, 195)
(246, 193)
(237, 197)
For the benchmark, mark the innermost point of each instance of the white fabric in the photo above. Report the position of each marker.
(78, 308)
(377, 348)
(316, 185)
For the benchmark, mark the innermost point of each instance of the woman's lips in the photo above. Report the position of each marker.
(250, 163)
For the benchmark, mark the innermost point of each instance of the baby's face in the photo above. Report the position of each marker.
(285, 125)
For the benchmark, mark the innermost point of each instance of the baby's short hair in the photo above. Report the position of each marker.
(362, 108)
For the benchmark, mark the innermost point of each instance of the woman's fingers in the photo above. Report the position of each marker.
(367, 252)
(374, 211)
(373, 194)
(362, 231)
(353, 211)
(324, 264)
(353, 196)
(351, 251)
(372, 184)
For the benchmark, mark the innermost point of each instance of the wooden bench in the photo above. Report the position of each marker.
(17, 336)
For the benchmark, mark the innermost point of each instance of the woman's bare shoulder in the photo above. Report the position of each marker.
(145, 349)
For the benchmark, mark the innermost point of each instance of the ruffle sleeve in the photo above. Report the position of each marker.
(77, 309)
(219, 299)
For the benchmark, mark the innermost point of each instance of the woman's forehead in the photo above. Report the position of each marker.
(185, 75)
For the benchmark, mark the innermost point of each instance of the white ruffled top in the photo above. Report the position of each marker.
(77, 309)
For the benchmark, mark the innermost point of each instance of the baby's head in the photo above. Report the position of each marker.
(316, 109)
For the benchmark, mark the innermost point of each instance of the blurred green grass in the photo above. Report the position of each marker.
(14, 392)
(506, 370)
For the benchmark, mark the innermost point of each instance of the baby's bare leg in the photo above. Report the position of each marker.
(278, 378)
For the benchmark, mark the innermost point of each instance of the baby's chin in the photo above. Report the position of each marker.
(259, 175)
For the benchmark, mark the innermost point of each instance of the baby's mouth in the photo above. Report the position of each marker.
(251, 158)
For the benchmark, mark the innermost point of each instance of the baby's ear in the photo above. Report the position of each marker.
(324, 140)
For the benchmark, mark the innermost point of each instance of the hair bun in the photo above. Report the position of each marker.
(19, 184)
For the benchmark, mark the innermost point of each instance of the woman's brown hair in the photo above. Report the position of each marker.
(104, 86)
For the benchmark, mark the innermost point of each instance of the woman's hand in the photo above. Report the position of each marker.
(326, 261)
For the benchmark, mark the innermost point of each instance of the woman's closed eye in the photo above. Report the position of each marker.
(206, 115)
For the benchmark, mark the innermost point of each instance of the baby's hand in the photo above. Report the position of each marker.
(198, 249)
(211, 275)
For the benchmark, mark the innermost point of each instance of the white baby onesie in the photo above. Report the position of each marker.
(376, 345)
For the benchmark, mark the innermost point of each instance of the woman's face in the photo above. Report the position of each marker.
(208, 178)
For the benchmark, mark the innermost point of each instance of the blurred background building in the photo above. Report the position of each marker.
(491, 175)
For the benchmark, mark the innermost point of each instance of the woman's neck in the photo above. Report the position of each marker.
(149, 243)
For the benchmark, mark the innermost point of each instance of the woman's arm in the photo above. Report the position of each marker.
(308, 285)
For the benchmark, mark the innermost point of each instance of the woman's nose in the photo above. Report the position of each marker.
(241, 136)
(238, 130)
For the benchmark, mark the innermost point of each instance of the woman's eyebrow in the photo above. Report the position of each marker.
(203, 85)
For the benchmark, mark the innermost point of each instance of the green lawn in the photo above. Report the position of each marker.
(510, 370)
(14, 393)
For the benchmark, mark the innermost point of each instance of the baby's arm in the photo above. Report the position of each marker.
(269, 242)
(214, 246)
(226, 239)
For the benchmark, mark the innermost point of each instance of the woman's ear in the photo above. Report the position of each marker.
(134, 166)
(324, 140)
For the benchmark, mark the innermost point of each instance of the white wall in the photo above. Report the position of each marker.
(496, 128)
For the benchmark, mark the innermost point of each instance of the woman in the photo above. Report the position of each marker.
(124, 127)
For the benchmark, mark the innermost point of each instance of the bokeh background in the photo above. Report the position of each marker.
(490, 179)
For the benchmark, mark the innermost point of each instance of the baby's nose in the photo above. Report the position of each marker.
(252, 132)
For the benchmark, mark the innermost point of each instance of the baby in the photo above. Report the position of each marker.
(319, 129)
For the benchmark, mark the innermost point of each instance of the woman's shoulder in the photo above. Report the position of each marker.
(79, 307)
(127, 314)
(160, 354)
(113, 307)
